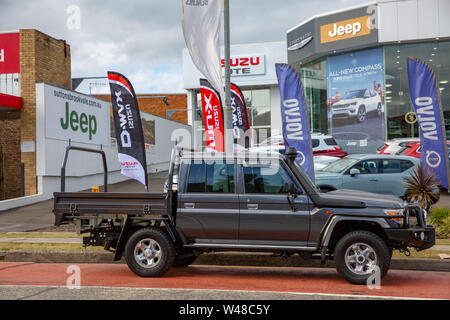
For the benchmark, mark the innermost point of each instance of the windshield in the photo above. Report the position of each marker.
(354, 94)
(339, 165)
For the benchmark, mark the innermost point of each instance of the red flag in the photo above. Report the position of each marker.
(212, 117)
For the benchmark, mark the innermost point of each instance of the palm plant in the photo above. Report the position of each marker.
(422, 186)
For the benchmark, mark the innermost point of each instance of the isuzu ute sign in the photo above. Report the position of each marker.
(426, 100)
(129, 133)
(294, 117)
(241, 121)
(212, 117)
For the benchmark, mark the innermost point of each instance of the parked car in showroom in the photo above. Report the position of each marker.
(322, 145)
(393, 146)
(371, 172)
(357, 104)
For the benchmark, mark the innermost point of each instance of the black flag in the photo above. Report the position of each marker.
(129, 133)
(241, 121)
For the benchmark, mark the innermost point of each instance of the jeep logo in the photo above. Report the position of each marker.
(84, 123)
(345, 29)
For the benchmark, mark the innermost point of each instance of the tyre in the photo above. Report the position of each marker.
(361, 116)
(358, 254)
(183, 259)
(150, 252)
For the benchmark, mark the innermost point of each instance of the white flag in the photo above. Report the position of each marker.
(201, 29)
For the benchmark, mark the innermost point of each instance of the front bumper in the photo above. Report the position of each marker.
(418, 237)
(414, 232)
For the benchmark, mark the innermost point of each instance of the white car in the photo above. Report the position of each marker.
(357, 104)
(322, 144)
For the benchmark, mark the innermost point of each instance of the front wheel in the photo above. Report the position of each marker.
(150, 252)
(359, 254)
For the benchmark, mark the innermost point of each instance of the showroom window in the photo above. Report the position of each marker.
(397, 89)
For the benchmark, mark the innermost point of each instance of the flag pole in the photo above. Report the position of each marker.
(227, 117)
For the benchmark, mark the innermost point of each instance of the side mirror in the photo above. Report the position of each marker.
(354, 172)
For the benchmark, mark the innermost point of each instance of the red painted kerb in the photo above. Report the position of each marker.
(12, 102)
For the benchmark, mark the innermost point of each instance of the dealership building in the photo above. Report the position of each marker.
(40, 115)
(355, 51)
(338, 53)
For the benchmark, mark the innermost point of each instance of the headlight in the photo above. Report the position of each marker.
(394, 212)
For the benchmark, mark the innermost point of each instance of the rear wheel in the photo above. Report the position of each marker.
(150, 252)
(359, 254)
(361, 116)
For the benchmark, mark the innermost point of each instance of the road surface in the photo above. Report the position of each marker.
(115, 281)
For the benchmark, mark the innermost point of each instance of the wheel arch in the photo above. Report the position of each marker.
(339, 226)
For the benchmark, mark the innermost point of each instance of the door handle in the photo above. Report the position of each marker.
(373, 180)
(252, 206)
(189, 205)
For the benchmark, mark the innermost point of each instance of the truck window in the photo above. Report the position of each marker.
(216, 176)
(220, 177)
(267, 179)
(196, 180)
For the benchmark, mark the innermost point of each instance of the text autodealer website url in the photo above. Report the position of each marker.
(79, 99)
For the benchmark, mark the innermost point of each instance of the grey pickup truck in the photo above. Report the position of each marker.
(247, 202)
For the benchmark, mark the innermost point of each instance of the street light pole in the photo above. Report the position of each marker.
(228, 127)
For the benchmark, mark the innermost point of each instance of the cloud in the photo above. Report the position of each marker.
(143, 38)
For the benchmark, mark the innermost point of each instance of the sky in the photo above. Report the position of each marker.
(143, 39)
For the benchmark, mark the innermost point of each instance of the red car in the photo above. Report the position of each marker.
(412, 149)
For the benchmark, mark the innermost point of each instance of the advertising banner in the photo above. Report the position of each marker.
(241, 121)
(425, 98)
(9, 53)
(294, 116)
(355, 100)
(201, 30)
(73, 116)
(128, 128)
(212, 117)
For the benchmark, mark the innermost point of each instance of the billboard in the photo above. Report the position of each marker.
(355, 99)
(9, 53)
(74, 116)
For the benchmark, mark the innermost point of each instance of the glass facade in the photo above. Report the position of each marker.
(395, 93)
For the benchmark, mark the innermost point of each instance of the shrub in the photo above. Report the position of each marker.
(439, 218)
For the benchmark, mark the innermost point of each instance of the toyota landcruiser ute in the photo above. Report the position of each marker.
(247, 202)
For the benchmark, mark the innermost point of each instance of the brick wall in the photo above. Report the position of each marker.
(157, 107)
(10, 175)
(42, 59)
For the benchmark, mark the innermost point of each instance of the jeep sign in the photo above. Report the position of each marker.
(74, 116)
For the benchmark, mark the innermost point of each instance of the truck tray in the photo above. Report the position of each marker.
(73, 205)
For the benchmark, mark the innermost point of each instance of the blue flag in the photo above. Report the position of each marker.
(425, 98)
(296, 131)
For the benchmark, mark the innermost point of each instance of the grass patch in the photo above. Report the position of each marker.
(5, 246)
(39, 235)
(428, 254)
(443, 242)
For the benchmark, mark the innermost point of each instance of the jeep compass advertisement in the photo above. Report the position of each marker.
(355, 99)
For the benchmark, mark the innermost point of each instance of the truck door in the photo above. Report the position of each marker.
(266, 215)
(209, 206)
